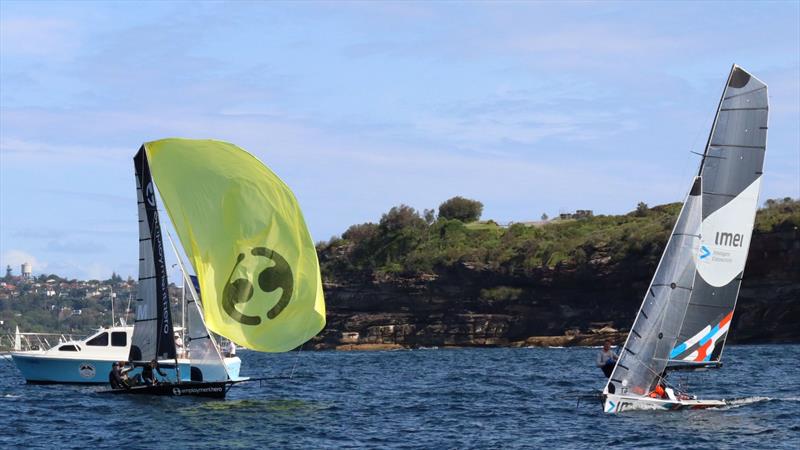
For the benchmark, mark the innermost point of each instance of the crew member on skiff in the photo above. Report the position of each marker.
(606, 358)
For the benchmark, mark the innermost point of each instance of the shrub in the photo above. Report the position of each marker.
(460, 208)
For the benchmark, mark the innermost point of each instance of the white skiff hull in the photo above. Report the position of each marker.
(619, 403)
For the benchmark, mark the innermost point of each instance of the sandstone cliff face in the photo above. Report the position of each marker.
(470, 305)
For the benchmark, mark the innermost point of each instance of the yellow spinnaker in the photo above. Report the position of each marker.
(244, 234)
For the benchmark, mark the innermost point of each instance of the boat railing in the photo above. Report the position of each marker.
(35, 341)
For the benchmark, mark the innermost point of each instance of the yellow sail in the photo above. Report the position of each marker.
(244, 234)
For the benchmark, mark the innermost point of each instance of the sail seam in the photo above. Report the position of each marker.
(745, 109)
(745, 93)
(709, 305)
(739, 146)
(717, 193)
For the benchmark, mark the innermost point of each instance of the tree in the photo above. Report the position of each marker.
(361, 232)
(429, 215)
(544, 217)
(641, 209)
(400, 217)
(460, 208)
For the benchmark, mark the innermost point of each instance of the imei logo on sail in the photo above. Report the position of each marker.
(729, 239)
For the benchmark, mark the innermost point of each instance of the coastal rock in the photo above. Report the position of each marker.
(558, 306)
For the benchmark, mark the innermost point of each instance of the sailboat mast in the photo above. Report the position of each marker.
(112, 306)
(183, 308)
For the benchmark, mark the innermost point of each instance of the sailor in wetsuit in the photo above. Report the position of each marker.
(147, 373)
(117, 377)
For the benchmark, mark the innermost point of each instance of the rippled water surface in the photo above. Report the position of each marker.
(449, 398)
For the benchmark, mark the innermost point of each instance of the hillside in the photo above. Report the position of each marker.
(409, 281)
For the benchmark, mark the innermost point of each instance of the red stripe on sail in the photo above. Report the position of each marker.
(701, 352)
(726, 319)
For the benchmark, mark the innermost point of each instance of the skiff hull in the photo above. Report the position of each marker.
(620, 403)
(207, 389)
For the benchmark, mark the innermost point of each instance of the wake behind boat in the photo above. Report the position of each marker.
(687, 311)
(255, 263)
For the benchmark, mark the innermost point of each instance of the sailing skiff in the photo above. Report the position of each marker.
(688, 308)
(244, 235)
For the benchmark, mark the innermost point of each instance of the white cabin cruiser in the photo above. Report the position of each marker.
(89, 360)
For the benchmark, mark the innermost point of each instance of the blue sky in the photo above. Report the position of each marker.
(530, 107)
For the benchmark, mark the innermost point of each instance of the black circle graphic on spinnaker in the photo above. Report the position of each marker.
(270, 279)
(238, 291)
(277, 276)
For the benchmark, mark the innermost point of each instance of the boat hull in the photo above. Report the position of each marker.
(620, 403)
(39, 368)
(209, 389)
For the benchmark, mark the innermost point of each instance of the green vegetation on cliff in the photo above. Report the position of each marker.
(405, 243)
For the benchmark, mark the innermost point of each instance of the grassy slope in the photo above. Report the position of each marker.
(418, 247)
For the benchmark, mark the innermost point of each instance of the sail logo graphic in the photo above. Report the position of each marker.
(240, 290)
(150, 195)
(726, 236)
(728, 239)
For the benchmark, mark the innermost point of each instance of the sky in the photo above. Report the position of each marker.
(529, 107)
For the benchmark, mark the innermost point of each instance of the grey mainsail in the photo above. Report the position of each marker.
(731, 170)
(655, 330)
(152, 332)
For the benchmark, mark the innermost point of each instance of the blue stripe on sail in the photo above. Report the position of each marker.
(708, 336)
(678, 350)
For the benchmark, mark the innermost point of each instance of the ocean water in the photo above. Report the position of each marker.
(447, 398)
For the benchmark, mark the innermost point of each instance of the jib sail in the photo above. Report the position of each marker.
(645, 354)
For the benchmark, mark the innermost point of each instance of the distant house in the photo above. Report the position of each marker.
(578, 214)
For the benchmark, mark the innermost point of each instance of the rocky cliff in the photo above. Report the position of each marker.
(468, 304)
